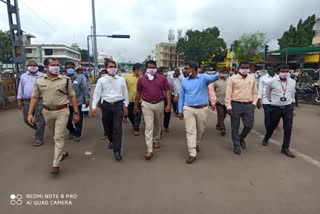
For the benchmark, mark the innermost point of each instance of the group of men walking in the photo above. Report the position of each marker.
(151, 93)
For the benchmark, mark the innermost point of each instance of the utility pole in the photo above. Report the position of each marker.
(95, 54)
(16, 37)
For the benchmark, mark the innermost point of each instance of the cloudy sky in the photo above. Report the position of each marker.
(148, 21)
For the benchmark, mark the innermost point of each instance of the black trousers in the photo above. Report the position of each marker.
(135, 119)
(112, 115)
(167, 116)
(286, 113)
(222, 113)
(75, 129)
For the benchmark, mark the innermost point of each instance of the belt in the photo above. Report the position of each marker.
(26, 99)
(241, 102)
(198, 107)
(282, 107)
(55, 108)
(113, 103)
(153, 102)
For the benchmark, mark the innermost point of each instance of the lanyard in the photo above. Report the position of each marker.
(284, 88)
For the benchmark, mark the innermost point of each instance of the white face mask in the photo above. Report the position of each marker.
(33, 69)
(283, 75)
(151, 71)
(244, 72)
(54, 69)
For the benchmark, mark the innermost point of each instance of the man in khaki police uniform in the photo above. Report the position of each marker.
(55, 91)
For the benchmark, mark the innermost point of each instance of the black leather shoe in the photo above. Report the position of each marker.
(55, 170)
(265, 142)
(117, 156)
(237, 150)
(222, 132)
(110, 146)
(243, 144)
(198, 148)
(287, 152)
(191, 159)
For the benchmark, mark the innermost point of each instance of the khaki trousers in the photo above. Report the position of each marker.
(57, 123)
(195, 123)
(153, 118)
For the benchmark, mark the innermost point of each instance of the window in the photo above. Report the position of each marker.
(48, 52)
(28, 50)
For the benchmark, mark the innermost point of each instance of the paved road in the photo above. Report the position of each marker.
(261, 180)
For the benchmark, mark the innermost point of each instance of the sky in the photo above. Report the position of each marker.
(148, 21)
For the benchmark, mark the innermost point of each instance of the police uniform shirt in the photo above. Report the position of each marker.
(54, 92)
(281, 93)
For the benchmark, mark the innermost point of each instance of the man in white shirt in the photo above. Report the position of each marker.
(280, 92)
(112, 90)
(262, 96)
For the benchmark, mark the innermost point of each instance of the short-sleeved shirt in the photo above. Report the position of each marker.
(132, 81)
(153, 90)
(220, 87)
(54, 92)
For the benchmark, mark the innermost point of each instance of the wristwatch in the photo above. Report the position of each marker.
(76, 112)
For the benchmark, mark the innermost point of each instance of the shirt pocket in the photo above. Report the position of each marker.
(61, 89)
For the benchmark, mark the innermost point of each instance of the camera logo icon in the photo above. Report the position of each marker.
(16, 199)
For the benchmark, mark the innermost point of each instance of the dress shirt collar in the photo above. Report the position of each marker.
(194, 77)
(112, 77)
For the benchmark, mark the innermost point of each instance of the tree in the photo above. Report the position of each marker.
(84, 55)
(6, 54)
(300, 36)
(249, 46)
(202, 46)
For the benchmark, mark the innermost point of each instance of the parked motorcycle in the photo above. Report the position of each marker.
(309, 93)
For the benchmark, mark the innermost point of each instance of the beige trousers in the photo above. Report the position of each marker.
(195, 123)
(57, 123)
(153, 118)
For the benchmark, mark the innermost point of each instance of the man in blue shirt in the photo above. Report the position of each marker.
(193, 105)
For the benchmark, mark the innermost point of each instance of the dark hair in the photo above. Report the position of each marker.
(46, 60)
(152, 62)
(79, 69)
(244, 63)
(69, 63)
(162, 68)
(106, 63)
(192, 64)
(283, 66)
(137, 66)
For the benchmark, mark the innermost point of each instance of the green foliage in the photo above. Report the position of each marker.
(202, 45)
(249, 46)
(6, 54)
(300, 36)
(84, 55)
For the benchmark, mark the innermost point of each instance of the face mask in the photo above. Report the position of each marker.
(33, 69)
(270, 72)
(54, 69)
(283, 75)
(150, 77)
(112, 71)
(70, 72)
(151, 71)
(244, 72)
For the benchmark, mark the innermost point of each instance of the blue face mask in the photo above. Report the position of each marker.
(226, 75)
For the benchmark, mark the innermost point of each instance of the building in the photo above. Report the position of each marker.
(166, 55)
(316, 38)
(39, 52)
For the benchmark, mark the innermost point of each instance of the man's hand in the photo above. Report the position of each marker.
(20, 104)
(229, 111)
(168, 108)
(125, 111)
(180, 116)
(213, 107)
(136, 110)
(93, 112)
(125, 119)
(76, 118)
(259, 105)
(31, 119)
(292, 105)
(87, 103)
(175, 99)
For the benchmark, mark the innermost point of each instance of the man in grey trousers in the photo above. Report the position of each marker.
(26, 85)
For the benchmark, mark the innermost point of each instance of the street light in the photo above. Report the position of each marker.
(115, 36)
